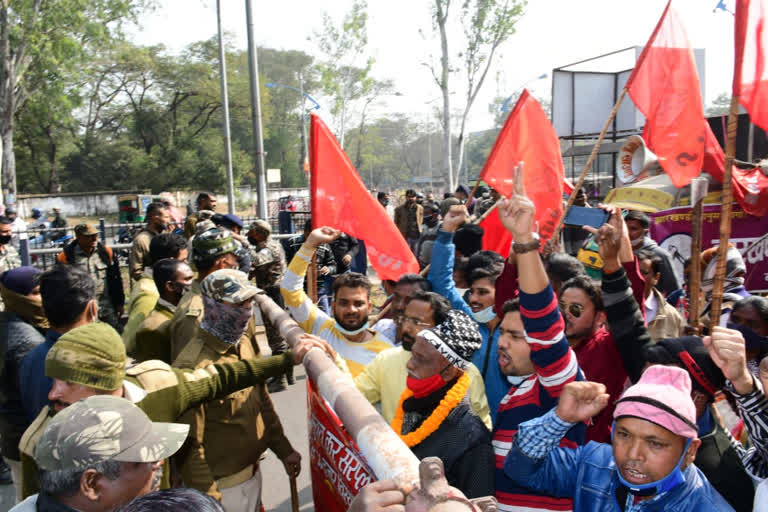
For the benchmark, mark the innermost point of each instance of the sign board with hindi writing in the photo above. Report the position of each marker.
(338, 469)
(672, 230)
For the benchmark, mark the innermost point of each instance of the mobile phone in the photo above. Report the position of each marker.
(583, 216)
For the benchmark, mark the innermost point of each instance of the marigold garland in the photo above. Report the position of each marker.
(433, 422)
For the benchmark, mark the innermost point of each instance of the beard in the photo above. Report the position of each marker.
(407, 341)
(350, 324)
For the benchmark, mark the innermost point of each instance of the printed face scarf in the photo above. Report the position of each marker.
(225, 321)
(30, 308)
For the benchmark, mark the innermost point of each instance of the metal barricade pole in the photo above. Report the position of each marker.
(103, 231)
(26, 260)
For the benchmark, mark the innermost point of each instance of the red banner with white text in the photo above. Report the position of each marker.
(337, 467)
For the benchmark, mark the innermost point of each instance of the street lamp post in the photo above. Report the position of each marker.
(225, 110)
(535, 79)
(253, 70)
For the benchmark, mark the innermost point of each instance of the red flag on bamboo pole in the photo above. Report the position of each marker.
(527, 136)
(340, 200)
(751, 41)
(665, 87)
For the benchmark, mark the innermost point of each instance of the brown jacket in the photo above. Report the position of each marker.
(227, 435)
(139, 256)
(668, 322)
(401, 218)
(153, 337)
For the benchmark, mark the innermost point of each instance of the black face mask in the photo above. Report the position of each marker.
(162, 227)
(253, 241)
(431, 221)
(385, 202)
(5, 239)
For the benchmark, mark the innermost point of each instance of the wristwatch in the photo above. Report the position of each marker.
(533, 245)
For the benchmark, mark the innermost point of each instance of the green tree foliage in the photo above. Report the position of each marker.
(139, 117)
(43, 47)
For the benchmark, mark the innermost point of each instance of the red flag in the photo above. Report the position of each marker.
(496, 238)
(665, 87)
(340, 200)
(750, 187)
(528, 136)
(750, 81)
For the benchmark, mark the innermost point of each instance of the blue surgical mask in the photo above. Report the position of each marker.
(484, 315)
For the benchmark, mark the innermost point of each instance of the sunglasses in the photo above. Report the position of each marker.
(574, 309)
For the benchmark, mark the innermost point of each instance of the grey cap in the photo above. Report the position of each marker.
(102, 428)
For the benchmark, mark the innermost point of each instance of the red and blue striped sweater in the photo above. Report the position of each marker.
(555, 365)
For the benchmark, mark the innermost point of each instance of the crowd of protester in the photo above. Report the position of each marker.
(534, 379)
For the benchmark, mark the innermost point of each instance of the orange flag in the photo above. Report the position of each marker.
(527, 136)
(665, 87)
(340, 200)
(750, 79)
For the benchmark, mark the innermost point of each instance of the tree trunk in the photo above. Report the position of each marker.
(442, 20)
(9, 165)
(52, 161)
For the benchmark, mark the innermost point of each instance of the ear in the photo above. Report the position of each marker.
(90, 485)
(600, 318)
(690, 454)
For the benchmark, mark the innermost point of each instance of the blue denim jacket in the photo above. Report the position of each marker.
(588, 474)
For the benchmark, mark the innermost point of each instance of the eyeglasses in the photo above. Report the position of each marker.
(402, 320)
(574, 309)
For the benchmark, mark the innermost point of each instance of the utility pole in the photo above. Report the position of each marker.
(225, 109)
(253, 70)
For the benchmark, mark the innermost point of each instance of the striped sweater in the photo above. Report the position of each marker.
(314, 321)
(555, 365)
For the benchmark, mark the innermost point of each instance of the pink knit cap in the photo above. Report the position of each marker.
(662, 396)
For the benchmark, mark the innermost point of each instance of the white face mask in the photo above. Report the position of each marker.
(346, 332)
(638, 242)
(484, 315)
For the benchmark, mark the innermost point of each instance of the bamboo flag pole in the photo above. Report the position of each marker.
(588, 165)
(725, 215)
(698, 191)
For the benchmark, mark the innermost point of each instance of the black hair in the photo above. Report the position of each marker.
(490, 260)
(5, 220)
(657, 265)
(177, 499)
(154, 207)
(352, 280)
(510, 306)
(481, 273)
(202, 196)
(165, 270)
(381, 195)
(562, 267)
(417, 279)
(469, 239)
(588, 286)
(760, 304)
(217, 219)
(66, 291)
(440, 305)
(448, 194)
(167, 245)
(640, 217)
(410, 192)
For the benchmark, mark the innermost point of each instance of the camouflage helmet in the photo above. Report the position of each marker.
(229, 286)
(205, 215)
(102, 428)
(261, 225)
(203, 226)
(212, 243)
